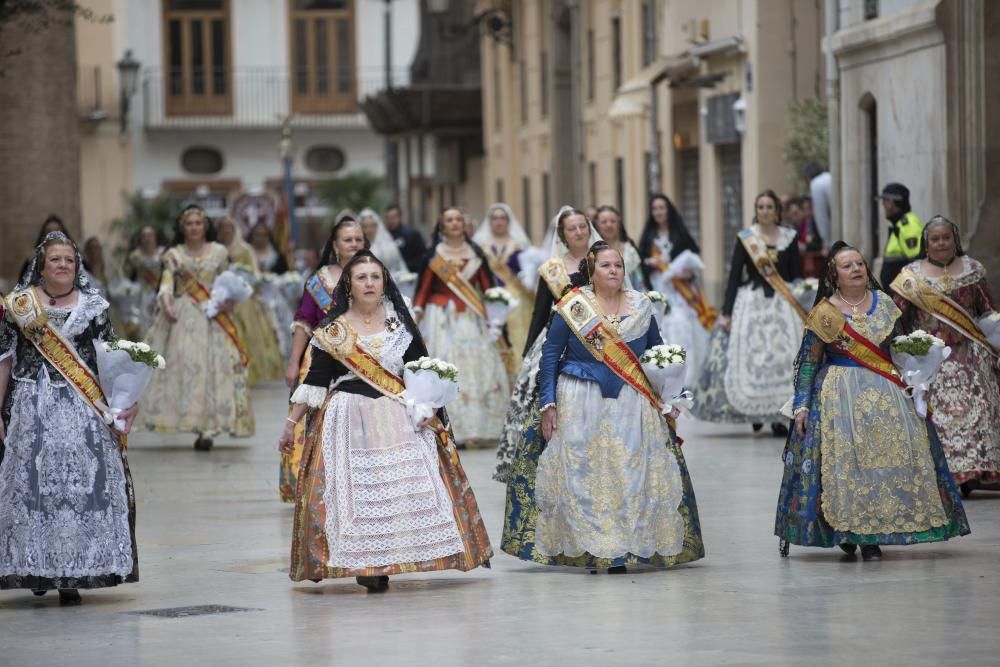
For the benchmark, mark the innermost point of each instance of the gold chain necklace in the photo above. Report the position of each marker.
(616, 319)
(853, 306)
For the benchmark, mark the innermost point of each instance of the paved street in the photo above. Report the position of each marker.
(213, 532)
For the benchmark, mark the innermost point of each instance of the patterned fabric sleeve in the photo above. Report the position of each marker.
(810, 360)
(983, 300)
(167, 276)
(8, 337)
(548, 367)
(309, 314)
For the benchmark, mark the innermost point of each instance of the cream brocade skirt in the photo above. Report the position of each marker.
(204, 387)
(606, 483)
(463, 339)
(878, 475)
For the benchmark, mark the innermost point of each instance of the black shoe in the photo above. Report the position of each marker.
(848, 548)
(783, 547)
(617, 569)
(203, 444)
(374, 584)
(968, 487)
(870, 552)
(69, 597)
(39, 591)
(757, 427)
(779, 430)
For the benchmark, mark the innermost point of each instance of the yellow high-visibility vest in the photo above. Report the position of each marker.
(905, 244)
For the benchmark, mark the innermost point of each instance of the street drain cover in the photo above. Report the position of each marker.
(196, 610)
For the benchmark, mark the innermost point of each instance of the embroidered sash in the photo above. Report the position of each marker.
(827, 322)
(150, 277)
(200, 294)
(553, 272)
(318, 291)
(939, 305)
(30, 317)
(604, 343)
(696, 299)
(757, 250)
(458, 284)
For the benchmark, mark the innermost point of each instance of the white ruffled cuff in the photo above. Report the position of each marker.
(298, 324)
(310, 395)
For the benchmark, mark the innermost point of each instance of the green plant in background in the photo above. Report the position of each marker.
(808, 136)
(355, 190)
(140, 211)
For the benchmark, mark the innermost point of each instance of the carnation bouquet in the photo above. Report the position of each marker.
(918, 356)
(990, 325)
(125, 369)
(430, 384)
(804, 291)
(664, 366)
(500, 303)
(228, 286)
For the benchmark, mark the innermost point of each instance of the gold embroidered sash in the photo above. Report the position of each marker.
(459, 286)
(200, 294)
(696, 299)
(341, 341)
(30, 317)
(940, 306)
(553, 272)
(757, 249)
(604, 343)
(502, 271)
(827, 322)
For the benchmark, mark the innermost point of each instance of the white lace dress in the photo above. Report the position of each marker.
(385, 500)
(66, 504)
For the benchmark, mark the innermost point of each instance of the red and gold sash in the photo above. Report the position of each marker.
(605, 344)
(459, 286)
(30, 317)
(150, 277)
(200, 294)
(695, 298)
(940, 306)
(827, 322)
(555, 275)
(757, 250)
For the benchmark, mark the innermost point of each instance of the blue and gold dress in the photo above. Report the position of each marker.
(869, 469)
(611, 487)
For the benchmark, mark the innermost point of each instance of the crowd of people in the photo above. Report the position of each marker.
(586, 445)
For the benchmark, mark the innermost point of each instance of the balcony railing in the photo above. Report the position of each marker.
(256, 98)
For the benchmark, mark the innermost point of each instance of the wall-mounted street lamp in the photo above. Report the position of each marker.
(128, 81)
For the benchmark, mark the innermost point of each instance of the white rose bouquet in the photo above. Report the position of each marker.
(990, 324)
(430, 384)
(804, 291)
(124, 369)
(228, 286)
(500, 303)
(664, 366)
(918, 357)
(406, 281)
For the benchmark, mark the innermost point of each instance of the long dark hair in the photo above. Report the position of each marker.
(392, 294)
(437, 238)
(328, 247)
(179, 224)
(677, 232)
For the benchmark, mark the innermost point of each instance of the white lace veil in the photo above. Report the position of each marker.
(484, 234)
(555, 244)
(384, 246)
(33, 276)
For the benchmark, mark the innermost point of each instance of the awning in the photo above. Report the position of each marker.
(632, 97)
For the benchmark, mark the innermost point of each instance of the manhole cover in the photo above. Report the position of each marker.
(196, 610)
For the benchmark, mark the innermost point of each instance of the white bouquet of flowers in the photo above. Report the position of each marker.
(228, 286)
(125, 369)
(500, 303)
(430, 384)
(804, 291)
(990, 324)
(661, 307)
(406, 281)
(530, 260)
(664, 366)
(918, 357)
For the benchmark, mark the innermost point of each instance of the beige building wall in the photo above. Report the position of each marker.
(105, 154)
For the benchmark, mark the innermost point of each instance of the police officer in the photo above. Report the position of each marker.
(905, 230)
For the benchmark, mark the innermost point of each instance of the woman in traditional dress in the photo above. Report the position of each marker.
(204, 388)
(273, 268)
(378, 495)
(67, 511)
(572, 235)
(53, 223)
(382, 245)
(601, 481)
(747, 375)
(452, 316)
(143, 266)
(503, 239)
(861, 466)
(345, 239)
(265, 248)
(672, 265)
(256, 328)
(608, 223)
(946, 294)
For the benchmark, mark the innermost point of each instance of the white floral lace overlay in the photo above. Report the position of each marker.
(310, 395)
